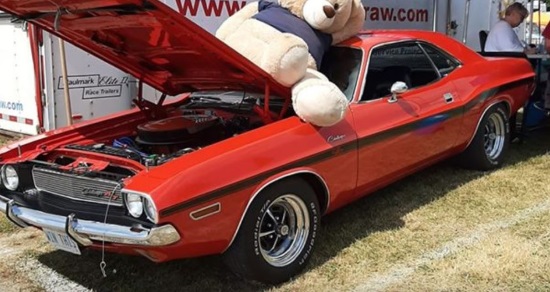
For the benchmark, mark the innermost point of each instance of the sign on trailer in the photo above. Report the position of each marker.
(18, 111)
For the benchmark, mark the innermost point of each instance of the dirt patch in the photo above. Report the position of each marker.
(11, 282)
(12, 248)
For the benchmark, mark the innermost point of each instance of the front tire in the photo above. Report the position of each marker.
(489, 146)
(277, 235)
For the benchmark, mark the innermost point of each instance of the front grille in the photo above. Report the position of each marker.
(77, 187)
(62, 206)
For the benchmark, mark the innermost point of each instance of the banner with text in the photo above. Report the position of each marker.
(418, 14)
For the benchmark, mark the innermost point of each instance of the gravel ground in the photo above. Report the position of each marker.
(17, 261)
(47, 278)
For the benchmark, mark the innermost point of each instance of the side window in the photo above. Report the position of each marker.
(404, 62)
(444, 63)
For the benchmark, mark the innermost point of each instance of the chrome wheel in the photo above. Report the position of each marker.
(494, 136)
(277, 235)
(284, 229)
(489, 145)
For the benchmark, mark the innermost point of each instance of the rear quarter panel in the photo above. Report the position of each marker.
(485, 82)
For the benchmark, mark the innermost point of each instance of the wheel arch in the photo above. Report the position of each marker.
(319, 187)
(507, 107)
(506, 104)
(312, 178)
(488, 147)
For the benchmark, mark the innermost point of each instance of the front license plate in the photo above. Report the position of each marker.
(62, 241)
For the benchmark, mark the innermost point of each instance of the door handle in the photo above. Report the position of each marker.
(448, 97)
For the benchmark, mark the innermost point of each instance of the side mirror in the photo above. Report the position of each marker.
(397, 88)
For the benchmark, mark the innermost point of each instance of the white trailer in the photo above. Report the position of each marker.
(18, 104)
(32, 87)
(95, 87)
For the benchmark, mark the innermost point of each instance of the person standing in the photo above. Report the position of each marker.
(546, 35)
(502, 37)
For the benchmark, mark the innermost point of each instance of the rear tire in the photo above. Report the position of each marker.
(489, 146)
(277, 235)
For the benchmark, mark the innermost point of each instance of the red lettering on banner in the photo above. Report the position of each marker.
(209, 7)
(235, 6)
(212, 6)
(183, 9)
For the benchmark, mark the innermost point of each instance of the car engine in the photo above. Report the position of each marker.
(162, 140)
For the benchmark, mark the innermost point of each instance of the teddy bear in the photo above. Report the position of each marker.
(287, 39)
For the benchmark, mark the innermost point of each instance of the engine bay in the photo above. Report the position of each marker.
(162, 133)
(162, 140)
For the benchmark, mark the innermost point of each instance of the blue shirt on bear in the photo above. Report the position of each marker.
(283, 20)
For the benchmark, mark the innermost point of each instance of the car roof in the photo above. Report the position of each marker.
(370, 38)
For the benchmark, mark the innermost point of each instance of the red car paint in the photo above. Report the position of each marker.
(376, 144)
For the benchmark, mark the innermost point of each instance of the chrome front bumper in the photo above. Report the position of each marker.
(84, 231)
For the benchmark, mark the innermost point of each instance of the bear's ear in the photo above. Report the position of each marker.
(353, 25)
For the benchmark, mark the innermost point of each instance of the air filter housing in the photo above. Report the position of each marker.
(174, 130)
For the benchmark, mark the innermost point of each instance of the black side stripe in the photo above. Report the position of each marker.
(246, 183)
(333, 152)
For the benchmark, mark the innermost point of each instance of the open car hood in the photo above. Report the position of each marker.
(149, 40)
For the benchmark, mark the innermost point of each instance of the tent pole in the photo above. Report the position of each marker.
(466, 17)
(434, 24)
(66, 95)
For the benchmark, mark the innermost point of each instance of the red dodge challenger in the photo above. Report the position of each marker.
(220, 164)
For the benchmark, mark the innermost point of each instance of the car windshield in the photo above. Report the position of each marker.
(341, 65)
(239, 101)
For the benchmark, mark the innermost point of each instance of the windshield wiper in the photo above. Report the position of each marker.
(204, 97)
(213, 99)
(251, 100)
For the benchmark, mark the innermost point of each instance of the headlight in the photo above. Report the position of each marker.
(134, 204)
(150, 210)
(10, 179)
(138, 203)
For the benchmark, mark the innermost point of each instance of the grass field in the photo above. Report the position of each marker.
(443, 229)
